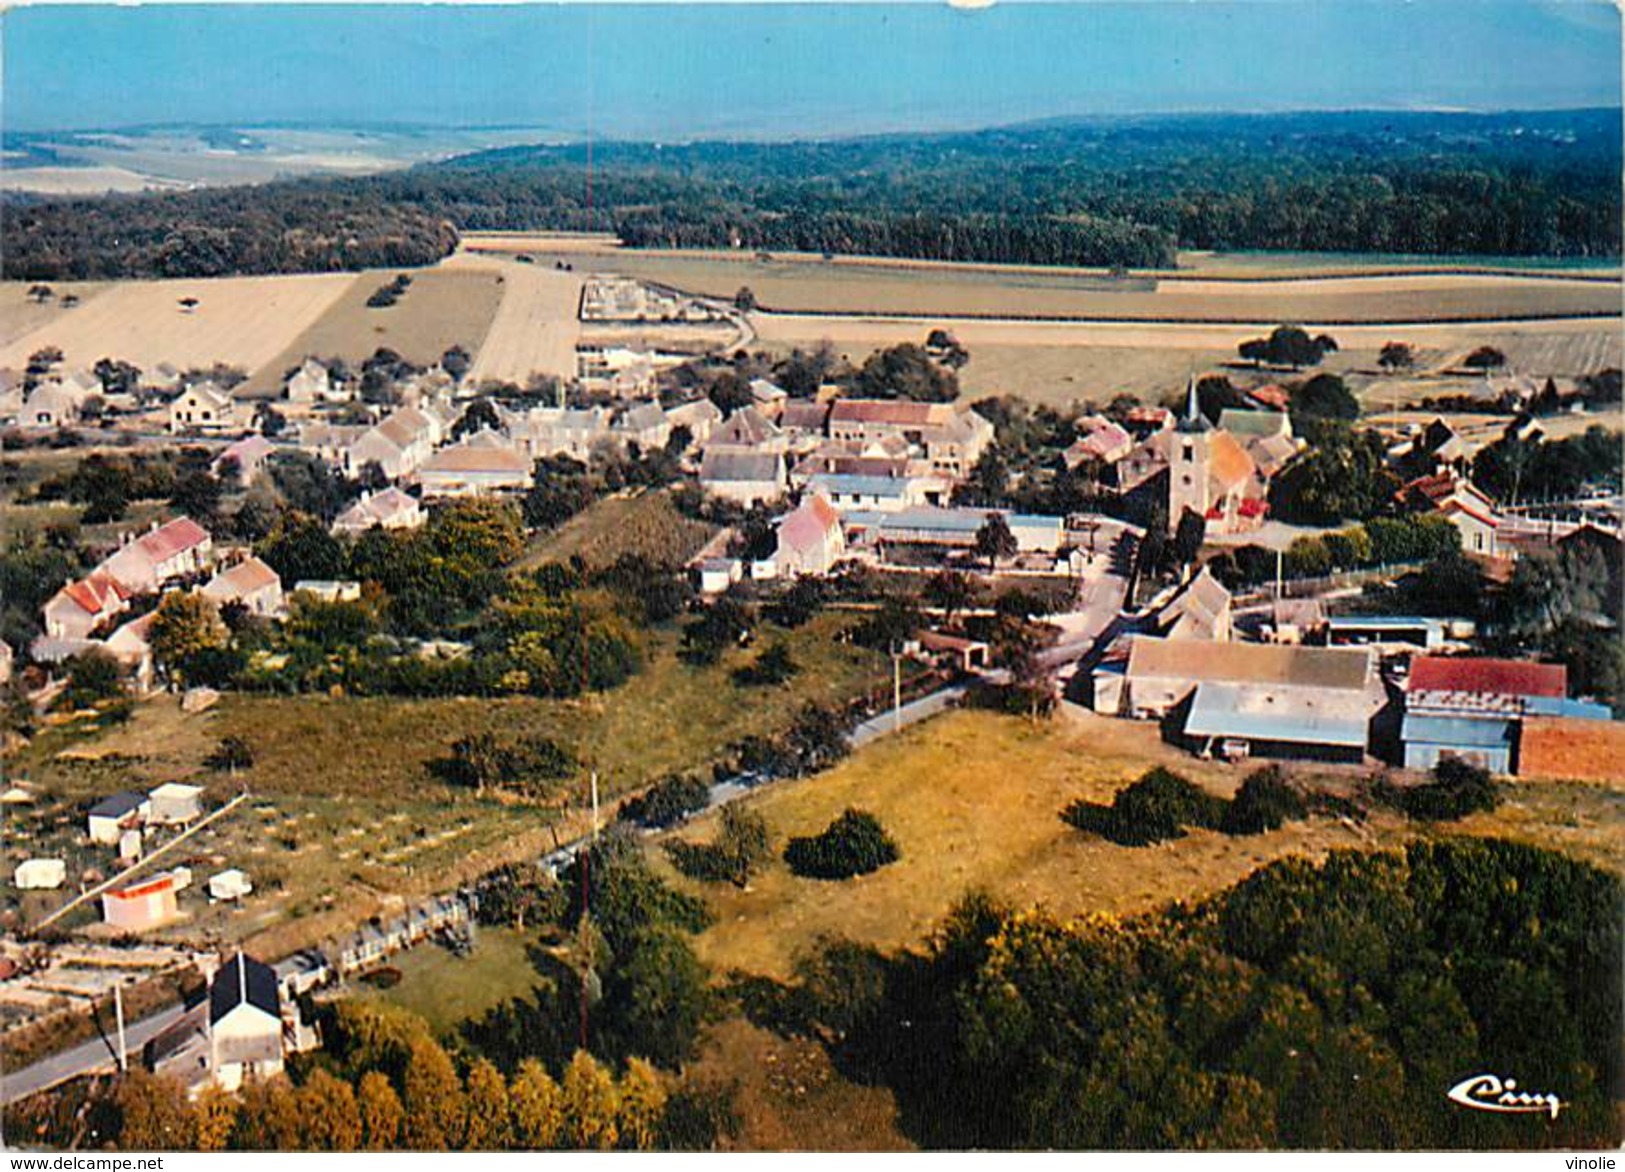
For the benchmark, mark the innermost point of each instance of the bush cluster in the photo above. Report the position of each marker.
(854, 844)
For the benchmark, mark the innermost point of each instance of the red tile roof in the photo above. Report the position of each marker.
(166, 541)
(901, 412)
(96, 593)
(1495, 677)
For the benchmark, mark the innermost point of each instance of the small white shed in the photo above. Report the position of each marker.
(229, 885)
(175, 804)
(41, 874)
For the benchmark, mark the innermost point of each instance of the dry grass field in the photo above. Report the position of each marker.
(535, 327)
(973, 800)
(445, 307)
(241, 321)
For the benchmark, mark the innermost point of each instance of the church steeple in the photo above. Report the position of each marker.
(1194, 419)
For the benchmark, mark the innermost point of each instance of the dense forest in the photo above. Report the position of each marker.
(1329, 1006)
(1121, 192)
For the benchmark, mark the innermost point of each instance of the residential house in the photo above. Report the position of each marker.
(79, 608)
(715, 575)
(644, 424)
(875, 494)
(330, 441)
(204, 408)
(251, 583)
(131, 645)
(809, 539)
(748, 429)
(50, 404)
(951, 438)
(1454, 497)
(1200, 609)
(484, 463)
(1101, 442)
(389, 509)
(312, 383)
(745, 477)
(113, 815)
(244, 459)
(399, 444)
(768, 397)
(177, 549)
(700, 416)
(804, 419)
(143, 905)
(543, 432)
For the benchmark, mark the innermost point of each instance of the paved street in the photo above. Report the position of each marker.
(93, 1056)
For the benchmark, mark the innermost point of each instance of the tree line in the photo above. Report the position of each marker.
(1120, 193)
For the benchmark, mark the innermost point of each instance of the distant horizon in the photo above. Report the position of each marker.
(381, 127)
(785, 72)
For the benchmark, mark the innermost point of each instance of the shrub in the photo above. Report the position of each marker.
(667, 802)
(1457, 789)
(1265, 801)
(773, 666)
(854, 844)
(742, 844)
(1158, 806)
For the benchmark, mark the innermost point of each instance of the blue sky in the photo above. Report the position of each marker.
(675, 71)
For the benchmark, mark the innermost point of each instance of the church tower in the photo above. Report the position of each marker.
(1188, 456)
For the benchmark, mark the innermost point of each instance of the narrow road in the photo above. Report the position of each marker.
(95, 1055)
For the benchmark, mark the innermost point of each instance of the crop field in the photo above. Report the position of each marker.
(445, 307)
(534, 329)
(973, 800)
(241, 321)
(346, 811)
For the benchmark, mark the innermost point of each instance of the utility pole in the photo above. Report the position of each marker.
(896, 690)
(595, 807)
(118, 1013)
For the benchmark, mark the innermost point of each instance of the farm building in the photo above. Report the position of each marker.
(145, 904)
(749, 430)
(1415, 630)
(929, 525)
(1102, 442)
(877, 494)
(1469, 707)
(111, 816)
(175, 804)
(250, 583)
(951, 438)
(1280, 720)
(40, 874)
(389, 509)
(1571, 749)
(1162, 673)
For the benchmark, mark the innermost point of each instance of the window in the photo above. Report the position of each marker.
(1190, 451)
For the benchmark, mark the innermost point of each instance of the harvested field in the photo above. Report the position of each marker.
(445, 307)
(241, 321)
(535, 328)
(21, 315)
(801, 286)
(572, 243)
